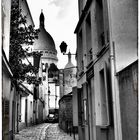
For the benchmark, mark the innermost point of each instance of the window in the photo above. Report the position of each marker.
(102, 23)
(85, 109)
(80, 51)
(88, 38)
(85, 104)
(43, 67)
(104, 97)
(80, 111)
(44, 78)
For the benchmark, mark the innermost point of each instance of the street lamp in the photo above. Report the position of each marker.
(63, 48)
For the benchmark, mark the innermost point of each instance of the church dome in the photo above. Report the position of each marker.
(69, 65)
(45, 40)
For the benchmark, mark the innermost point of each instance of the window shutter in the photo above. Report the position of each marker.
(107, 91)
(6, 108)
(85, 104)
(80, 106)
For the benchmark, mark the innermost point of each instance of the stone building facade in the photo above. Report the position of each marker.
(7, 95)
(128, 88)
(106, 54)
(65, 112)
(24, 92)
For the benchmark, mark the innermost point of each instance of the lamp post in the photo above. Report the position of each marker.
(63, 48)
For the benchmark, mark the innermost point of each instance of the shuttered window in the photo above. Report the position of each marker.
(85, 105)
(104, 91)
(80, 106)
(6, 108)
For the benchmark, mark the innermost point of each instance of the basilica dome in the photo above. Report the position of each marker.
(45, 41)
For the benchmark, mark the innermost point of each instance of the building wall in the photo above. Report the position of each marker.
(75, 106)
(6, 9)
(61, 82)
(6, 89)
(26, 104)
(40, 111)
(22, 113)
(93, 55)
(124, 33)
(12, 111)
(30, 110)
(65, 112)
(103, 99)
(7, 130)
(98, 32)
(23, 100)
(128, 88)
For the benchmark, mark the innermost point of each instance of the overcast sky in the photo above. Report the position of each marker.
(61, 17)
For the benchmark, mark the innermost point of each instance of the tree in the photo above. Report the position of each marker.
(22, 35)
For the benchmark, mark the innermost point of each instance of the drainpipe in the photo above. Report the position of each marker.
(114, 83)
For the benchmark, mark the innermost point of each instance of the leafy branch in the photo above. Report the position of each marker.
(21, 35)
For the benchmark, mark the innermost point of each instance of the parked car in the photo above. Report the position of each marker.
(52, 118)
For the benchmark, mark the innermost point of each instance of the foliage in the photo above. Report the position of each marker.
(22, 35)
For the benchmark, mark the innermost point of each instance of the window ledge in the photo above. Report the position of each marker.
(103, 127)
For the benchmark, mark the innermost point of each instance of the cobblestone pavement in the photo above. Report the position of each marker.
(36, 132)
(55, 133)
(43, 131)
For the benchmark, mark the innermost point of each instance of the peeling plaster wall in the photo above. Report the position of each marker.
(128, 88)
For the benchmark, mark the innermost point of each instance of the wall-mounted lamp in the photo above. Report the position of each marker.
(63, 48)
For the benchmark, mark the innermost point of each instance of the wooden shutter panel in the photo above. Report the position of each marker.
(79, 106)
(85, 104)
(107, 91)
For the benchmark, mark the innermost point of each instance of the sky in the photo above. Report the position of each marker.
(61, 17)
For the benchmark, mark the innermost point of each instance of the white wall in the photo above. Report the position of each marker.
(124, 31)
(30, 108)
(52, 95)
(6, 9)
(23, 109)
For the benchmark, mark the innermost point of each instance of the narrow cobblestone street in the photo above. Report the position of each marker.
(44, 132)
